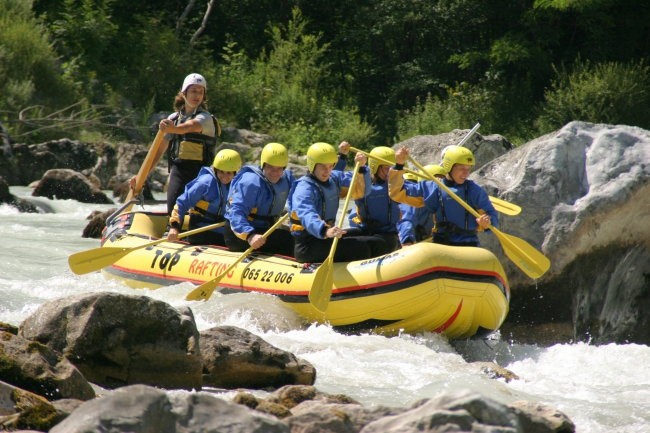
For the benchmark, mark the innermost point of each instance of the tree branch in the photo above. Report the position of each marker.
(204, 23)
(186, 12)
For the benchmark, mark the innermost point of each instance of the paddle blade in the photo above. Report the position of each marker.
(93, 260)
(505, 207)
(205, 290)
(532, 262)
(321, 290)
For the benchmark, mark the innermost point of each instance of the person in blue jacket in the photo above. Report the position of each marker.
(204, 199)
(314, 205)
(454, 225)
(377, 214)
(417, 223)
(258, 197)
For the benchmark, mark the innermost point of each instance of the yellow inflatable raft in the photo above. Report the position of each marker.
(456, 291)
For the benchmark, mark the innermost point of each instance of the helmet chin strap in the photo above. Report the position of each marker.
(188, 106)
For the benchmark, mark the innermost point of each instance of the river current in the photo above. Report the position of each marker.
(603, 389)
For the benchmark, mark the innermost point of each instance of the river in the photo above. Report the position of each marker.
(603, 389)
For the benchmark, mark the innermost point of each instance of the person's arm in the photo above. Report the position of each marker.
(195, 190)
(243, 198)
(306, 201)
(489, 215)
(406, 225)
(344, 149)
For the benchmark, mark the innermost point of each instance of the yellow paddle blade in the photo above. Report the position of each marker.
(321, 291)
(321, 288)
(505, 207)
(205, 290)
(93, 260)
(532, 262)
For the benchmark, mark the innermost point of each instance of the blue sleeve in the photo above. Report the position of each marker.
(481, 200)
(244, 196)
(367, 180)
(306, 201)
(406, 224)
(341, 163)
(195, 190)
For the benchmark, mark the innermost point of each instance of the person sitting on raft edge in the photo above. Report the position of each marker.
(454, 225)
(314, 203)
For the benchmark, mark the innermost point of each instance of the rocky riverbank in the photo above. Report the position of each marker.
(110, 362)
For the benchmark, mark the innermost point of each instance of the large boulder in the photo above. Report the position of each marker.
(69, 184)
(37, 368)
(33, 160)
(427, 149)
(235, 358)
(143, 409)
(583, 190)
(116, 340)
(12, 200)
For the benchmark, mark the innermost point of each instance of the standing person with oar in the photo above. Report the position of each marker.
(205, 199)
(190, 137)
(314, 204)
(454, 224)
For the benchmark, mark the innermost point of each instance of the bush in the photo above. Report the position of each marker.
(28, 67)
(280, 93)
(610, 92)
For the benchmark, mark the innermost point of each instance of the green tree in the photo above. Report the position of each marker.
(28, 67)
(608, 92)
(281, 92)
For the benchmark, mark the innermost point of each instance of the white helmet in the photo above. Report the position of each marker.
(194, 79)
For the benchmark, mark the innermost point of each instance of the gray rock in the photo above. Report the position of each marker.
(583, 191)
(143, 409)
(117, 340)
(69, 184)
(236, 358)
(37, 368)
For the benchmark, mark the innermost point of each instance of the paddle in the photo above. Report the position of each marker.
(532, 262)
(205, 290)
(87, 261)
(145, 168)
(321, 289)
(505, 207)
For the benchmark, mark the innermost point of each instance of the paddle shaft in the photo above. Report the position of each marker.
(205, 290)
(528, 259)
(346, 203)
(146, 167)
(95, 259)
(321, 289)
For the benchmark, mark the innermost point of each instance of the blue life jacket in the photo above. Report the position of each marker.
(254, 202)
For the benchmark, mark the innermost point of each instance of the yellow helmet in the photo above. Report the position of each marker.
(321, 153)
(434, 170)
(227, 160)
(410, 176)
(274, 154)
(456, 155)
(382, 152)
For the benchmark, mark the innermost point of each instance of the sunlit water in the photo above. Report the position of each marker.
(603, 389)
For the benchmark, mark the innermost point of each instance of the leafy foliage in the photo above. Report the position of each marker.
(370, 71)
(611, 92)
